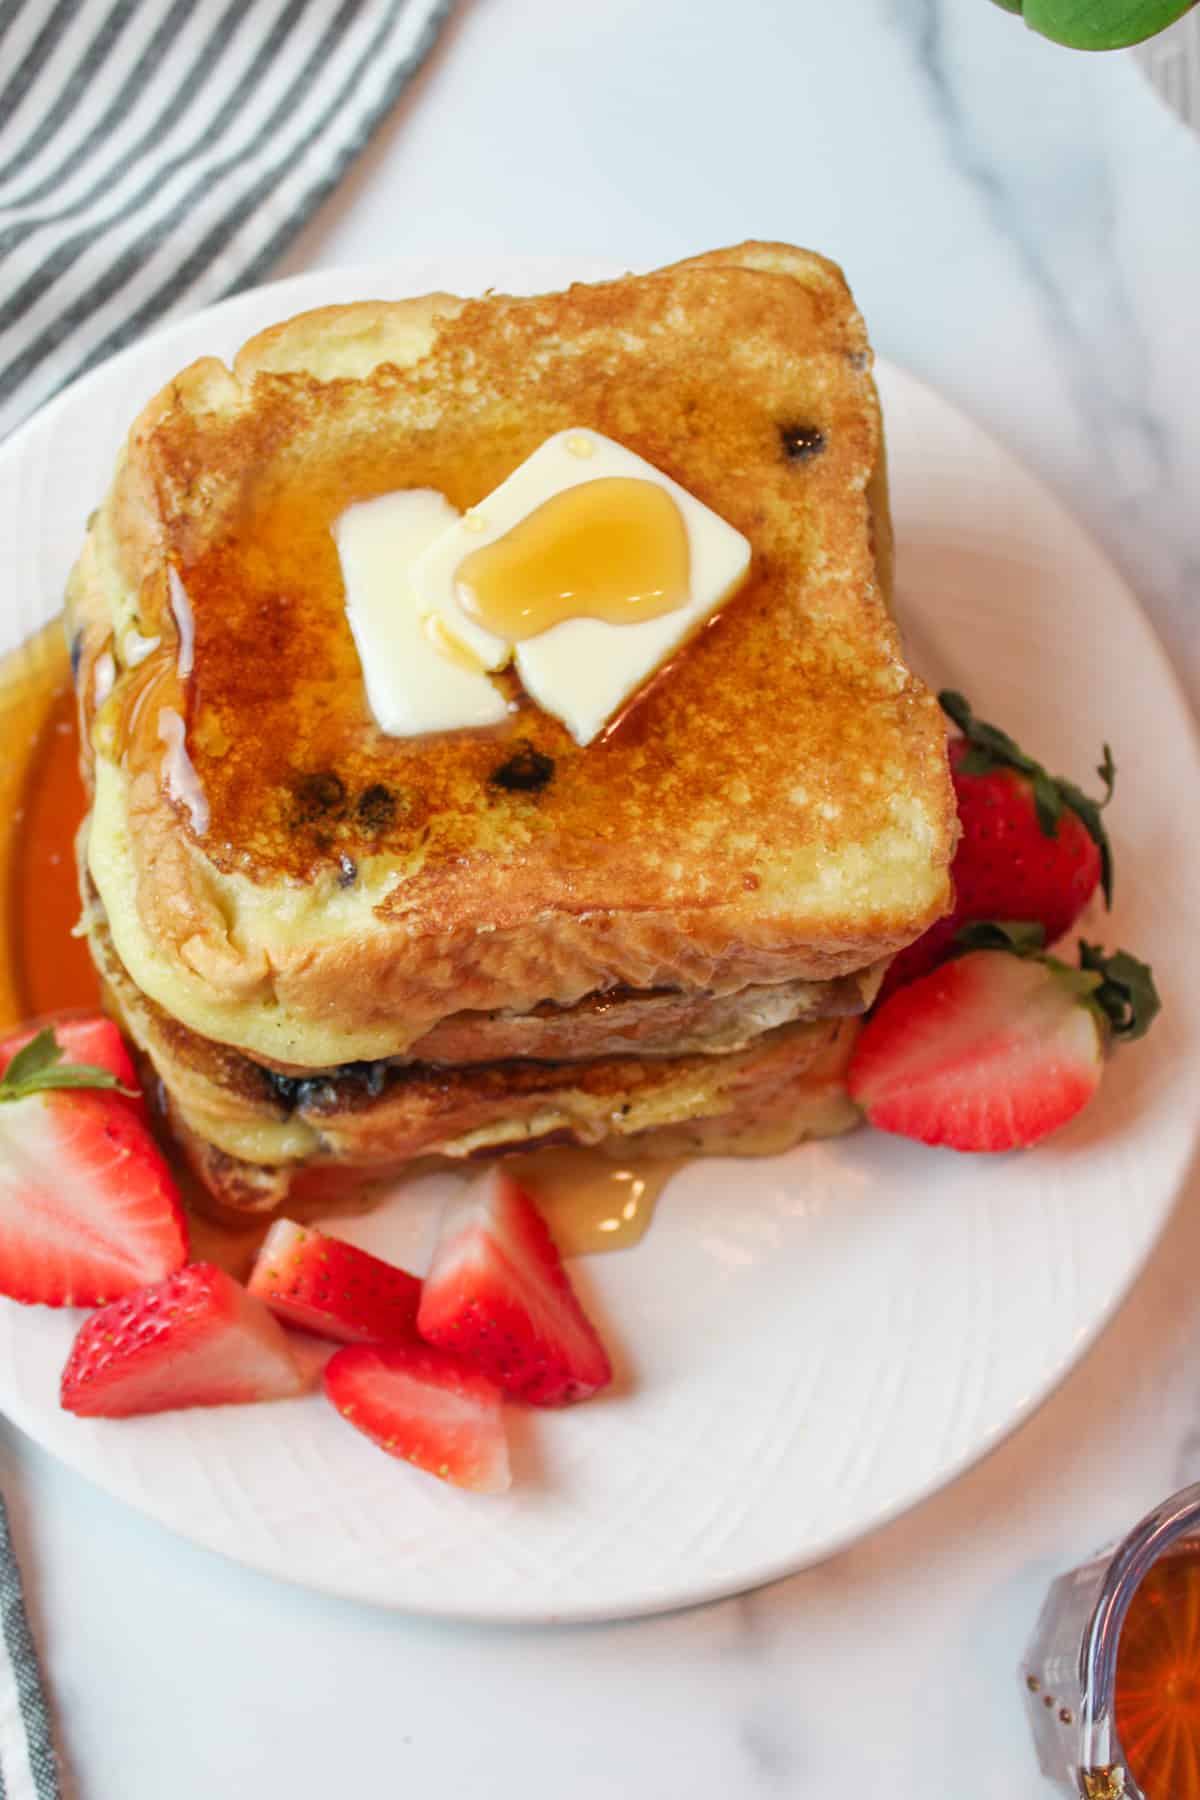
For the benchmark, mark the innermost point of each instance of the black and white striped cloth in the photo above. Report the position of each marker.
(158, 154)
(28, 1770)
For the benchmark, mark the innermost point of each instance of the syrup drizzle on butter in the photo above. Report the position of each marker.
(614, 549)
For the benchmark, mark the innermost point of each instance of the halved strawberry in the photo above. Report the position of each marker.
(425, 1407)
(498, 1293)
(997, 1049)
(332, 1288)
(89, 1209)
(1032, 846)
(196, 1339)
(88, 1038)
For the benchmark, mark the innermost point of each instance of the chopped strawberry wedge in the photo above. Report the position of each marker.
(991, 1052)
(196, 1339)
(90, 1039)
(424, 1407)
(89, 1209)
(498, 1294)
(332, 1288)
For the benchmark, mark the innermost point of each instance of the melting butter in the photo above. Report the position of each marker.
(183, 784)
(587, 593)
(185, 624)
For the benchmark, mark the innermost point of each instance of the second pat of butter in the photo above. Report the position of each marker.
(581, 670)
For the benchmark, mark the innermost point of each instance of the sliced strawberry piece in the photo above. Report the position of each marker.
(89, 1038)
(498, 1293)
(332, 1288)
(425, 1407)
(89, 1209)
(196, 1339)
(990, 1052)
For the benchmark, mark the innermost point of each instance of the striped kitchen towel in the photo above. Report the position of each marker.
(28, 1770)
(158, 154)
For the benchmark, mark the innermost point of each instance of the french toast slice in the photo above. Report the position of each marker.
(774, 806)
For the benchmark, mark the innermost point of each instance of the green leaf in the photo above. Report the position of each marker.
(1126, 995)
(1012, 6)
(41, 1052)
(1102, 24)
(988, 743)
(1049, 803)
(39, 1069)
(1021, 937)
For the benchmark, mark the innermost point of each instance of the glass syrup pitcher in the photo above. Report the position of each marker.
(1112, 1677)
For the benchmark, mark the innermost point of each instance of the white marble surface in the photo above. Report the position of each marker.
(1020, 226)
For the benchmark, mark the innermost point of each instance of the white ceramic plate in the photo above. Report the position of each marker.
(807, 1345)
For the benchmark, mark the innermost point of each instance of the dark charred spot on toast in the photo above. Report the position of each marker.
(527, 771)
(347, 871)
(76, 653)
(801, 442)
(319, 795)
(376, 808)
(859, 359)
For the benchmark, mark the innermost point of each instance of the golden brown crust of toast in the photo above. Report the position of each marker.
(253, 1136)
(774, 806)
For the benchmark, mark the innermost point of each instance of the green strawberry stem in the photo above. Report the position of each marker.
(991, 748)
(39, 1068)
(1126, 994)
(1119, 988)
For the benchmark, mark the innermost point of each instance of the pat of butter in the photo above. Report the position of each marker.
(581, 670)
(412, 687)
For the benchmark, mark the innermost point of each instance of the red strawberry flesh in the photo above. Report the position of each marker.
(332, 1288)
(989, 1052)
(1005, 867)
(425, 1407)
(89, 1209)
(196, 1339)
(498, 1293)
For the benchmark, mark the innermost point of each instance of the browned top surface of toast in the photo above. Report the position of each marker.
(781, 783)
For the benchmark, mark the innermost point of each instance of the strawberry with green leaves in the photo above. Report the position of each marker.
(89, 1209)
(1001, 1045)
(1032, 846)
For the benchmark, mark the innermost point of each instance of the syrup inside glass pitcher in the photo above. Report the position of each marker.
(1158, 1680)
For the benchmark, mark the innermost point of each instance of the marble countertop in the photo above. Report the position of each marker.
(1019, 225)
